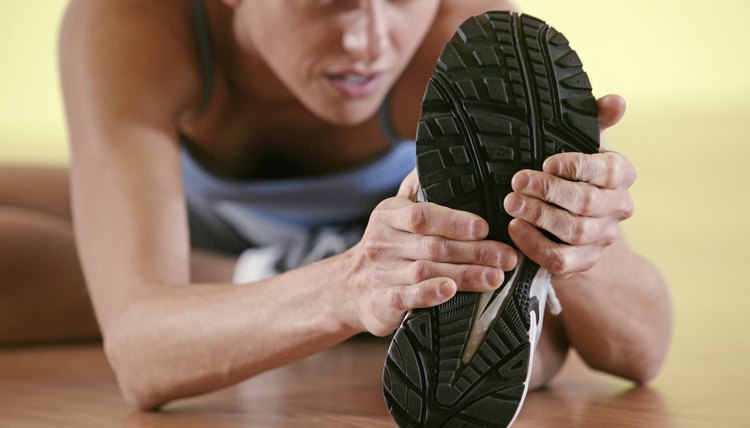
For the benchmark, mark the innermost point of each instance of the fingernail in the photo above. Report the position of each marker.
(446, 289)
(478, 229)
(521, 181)
(551, 166)
(513, 203)
(508, 260)
(492, 277)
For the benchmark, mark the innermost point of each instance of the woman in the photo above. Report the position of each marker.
(178, 111)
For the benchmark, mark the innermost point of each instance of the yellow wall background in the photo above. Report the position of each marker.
(32, 126)
(682, 66)
(666, 57)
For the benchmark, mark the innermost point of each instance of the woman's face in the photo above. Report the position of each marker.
(339, 58)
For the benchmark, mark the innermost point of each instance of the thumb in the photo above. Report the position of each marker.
(611, 110)
(425, 294)
(409, 186)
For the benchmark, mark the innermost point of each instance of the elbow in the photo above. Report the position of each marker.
(644, 353)
(645, 371)
(638, 364)
(138, 387)
(141, 401)
(655, 346)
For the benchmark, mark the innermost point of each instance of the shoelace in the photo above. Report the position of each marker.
(549, 294)
(554, 303)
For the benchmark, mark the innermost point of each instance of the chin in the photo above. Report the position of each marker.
(348, 113)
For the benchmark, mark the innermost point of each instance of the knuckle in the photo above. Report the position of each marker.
(578, 167)
(547, 187)
(417, 219)
(588, 199)
(614, 170)
(436, 247)
(473, 278)
(628, 208)
(467, 278)
(631, 175)
(396, 301)
(537, 215)
(384, 206)
(385, 203)
(485, 253)
(610, 235)
(421, 270)
(372, 247)
(559, 263)
(578, 231)
(378, 214)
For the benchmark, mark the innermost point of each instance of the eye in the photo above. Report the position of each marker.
(335, 4)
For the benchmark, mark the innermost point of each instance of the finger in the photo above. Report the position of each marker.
(558, 259)
(579, 198)
(426, 294)
(570, 228)
(467, 277)
(609, 170)
(611, 110)
(439, 249)
(409, 186)
(426, 218)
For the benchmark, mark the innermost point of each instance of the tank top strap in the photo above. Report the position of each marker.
(384, 117)
(203, 44)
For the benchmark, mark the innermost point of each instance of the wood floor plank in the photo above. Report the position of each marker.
(72, 386)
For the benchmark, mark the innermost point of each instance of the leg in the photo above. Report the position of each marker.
(43, 295)
(42, 189)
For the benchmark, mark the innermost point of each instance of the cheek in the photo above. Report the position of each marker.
(410, 27)
(294, 54)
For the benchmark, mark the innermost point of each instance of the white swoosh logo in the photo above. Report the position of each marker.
(486, 312)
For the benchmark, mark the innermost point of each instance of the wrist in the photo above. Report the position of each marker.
(574, 286)
(342, 302)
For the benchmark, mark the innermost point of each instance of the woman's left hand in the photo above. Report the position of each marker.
(579, 198)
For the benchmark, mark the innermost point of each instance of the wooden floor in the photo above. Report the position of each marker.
(72, 386)
(692, 221)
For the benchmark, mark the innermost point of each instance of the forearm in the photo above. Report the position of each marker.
(185, 340)
(618, 315)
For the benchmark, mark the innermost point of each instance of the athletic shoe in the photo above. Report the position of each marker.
(507, 92)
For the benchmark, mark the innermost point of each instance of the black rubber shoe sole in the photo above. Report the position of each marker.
(507, 92)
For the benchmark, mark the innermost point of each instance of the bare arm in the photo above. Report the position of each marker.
(122, 70)
(618, 315)
(164, 339)
(617, 309)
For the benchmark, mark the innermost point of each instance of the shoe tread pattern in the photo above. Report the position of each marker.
(507, 92)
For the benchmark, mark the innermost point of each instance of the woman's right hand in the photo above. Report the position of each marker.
(417, 255)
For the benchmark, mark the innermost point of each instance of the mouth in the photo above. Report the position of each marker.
(352, 79)
(355, 85)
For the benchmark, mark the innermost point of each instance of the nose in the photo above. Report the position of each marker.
(366, 32)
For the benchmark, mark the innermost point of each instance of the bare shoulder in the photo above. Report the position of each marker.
(408, 91)
(119, 54)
